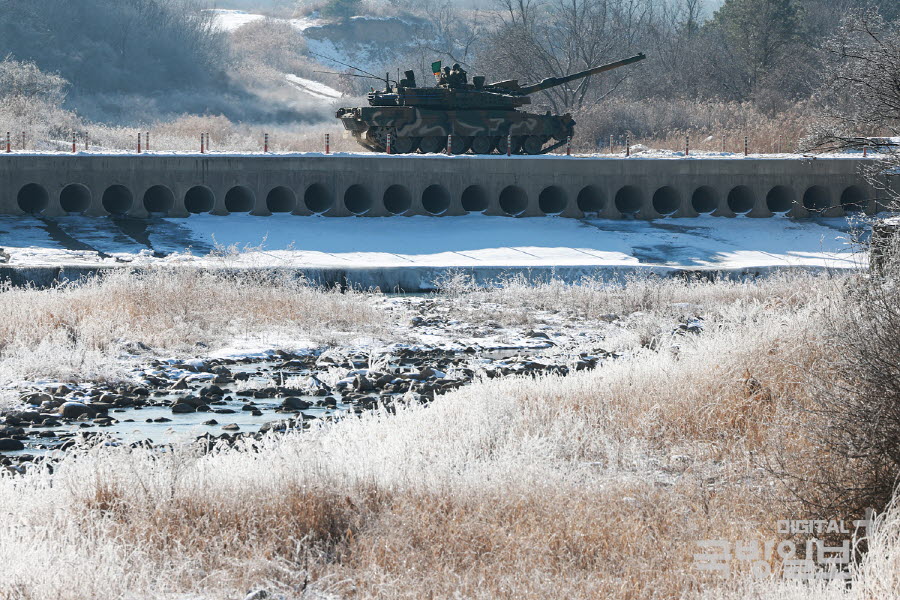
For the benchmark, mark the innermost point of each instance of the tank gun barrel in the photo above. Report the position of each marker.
(555, 81)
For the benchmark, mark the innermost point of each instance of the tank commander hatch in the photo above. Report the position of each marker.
(458, 77)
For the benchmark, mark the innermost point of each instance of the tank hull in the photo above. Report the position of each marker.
(479, 131)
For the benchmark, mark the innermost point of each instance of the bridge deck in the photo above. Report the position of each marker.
(178, 185)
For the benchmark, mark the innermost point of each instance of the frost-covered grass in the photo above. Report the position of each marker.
(80, 330)
(514, 299)
(597, 484)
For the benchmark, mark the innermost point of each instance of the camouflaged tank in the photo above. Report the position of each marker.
(480, 117)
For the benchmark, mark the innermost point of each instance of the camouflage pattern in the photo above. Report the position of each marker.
(480, 117)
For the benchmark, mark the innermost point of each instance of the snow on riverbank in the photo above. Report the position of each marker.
(430, 245)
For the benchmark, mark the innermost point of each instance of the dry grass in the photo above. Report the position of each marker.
(514, 298)
(664, 123)
(593, 485)
(80, 330)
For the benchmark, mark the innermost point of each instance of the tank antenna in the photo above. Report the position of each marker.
(343, 64)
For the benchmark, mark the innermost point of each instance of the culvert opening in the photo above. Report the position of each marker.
(552, 200)
(199, 199)
(590, 200)
(117, 199)
(666, 200)
(780, 199)
(629, 200)
(740, 200)
(357, 199)
(33, 198)
(435, 199)
(317, 198)
(704, 200)
(474, 199)
(159, 200)
(281, 200)
(397, 199)
(513, 200)
(816, 199)
(75, 198)
(239, 199)
(854, 199)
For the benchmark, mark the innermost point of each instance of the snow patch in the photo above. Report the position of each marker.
(313, 88)
(229, 20)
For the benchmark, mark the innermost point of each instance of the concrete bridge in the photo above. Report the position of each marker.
(380, 185)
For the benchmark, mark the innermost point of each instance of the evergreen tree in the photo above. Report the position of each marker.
(758, 32)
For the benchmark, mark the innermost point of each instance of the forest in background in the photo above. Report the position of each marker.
(762, 68)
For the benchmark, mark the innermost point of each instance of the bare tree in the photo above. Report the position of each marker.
(861, 93)
(536, 39)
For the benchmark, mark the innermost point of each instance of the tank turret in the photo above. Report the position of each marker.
(481, 117)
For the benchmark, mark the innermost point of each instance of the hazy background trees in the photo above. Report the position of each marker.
(715, 67)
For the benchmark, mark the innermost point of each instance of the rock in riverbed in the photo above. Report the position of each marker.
(293, 403)
(9, 445)
(73, 410)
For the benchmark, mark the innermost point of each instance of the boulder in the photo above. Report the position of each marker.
(181, 384)
(36, 398)
(294, 403)
(10, 445)
(362, 384)
(211, 390)
(193, 401)
(73, 410)
(182, 408)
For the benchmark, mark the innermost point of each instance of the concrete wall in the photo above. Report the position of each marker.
(381, 185)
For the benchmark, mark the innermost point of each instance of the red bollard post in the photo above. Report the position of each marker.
(8, 144)
(449, 144)
(388, 143)
(73, 142)
(23, 140)
(147, 141)
(568, 145)
(723, 144)
(865, 150)
(509, 145)
(87, 142)
(266, 143)
(202, 147)
(139, 143)
(627, 146)
(327, 143)
(746, 146)
(687, 145)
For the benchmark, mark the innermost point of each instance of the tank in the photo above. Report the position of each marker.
(477, 117)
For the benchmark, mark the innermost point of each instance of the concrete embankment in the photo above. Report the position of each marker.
(433, 185)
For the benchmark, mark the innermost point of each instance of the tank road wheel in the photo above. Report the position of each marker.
(482, 144)
(404, 145)
(516, 144)
(460, 144)
(432, 144)
(533, 144)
